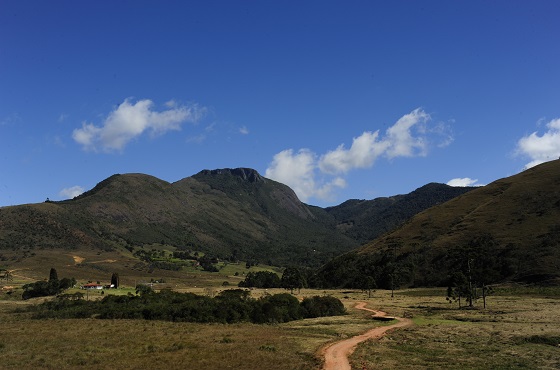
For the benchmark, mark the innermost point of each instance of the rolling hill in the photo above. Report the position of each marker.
(365, 220)
(233, 214)
(507, 230)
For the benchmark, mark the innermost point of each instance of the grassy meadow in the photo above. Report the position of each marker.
(520, 329)
(135, 344)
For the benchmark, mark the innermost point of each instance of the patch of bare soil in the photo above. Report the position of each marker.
(336, 354)
(78, 260)
(105, 261)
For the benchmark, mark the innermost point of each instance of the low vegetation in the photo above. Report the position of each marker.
(519, 329)
(230, 306)
(516, 331)
(51, 287)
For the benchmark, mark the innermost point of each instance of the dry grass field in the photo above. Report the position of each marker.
(520, 329)
(27, 343)
(516, 331)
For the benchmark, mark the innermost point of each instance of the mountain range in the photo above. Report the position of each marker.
(233, 214)
(507, 230)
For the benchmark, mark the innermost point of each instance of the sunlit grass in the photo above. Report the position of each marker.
(500, 337)
(514, 332)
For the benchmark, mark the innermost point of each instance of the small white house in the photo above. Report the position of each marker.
(92, 286)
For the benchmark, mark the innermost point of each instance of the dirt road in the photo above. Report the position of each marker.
(336, 354)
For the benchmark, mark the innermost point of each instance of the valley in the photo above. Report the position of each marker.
(411, 256)
(518, 330)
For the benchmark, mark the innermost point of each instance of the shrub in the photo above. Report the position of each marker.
(230, 306)
(318, 306)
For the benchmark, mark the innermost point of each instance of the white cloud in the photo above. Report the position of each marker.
(399, 141)
(402, 142)
(326, 190)
(444, 132)
(310, 175)
(363, 152)
(71, 192)
(244, 130)
(463, 181)
(129, 121)
(298, 171)
(295, 170)
(171, 103)
(543, 148)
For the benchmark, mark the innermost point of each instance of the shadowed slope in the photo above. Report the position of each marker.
(507, 230)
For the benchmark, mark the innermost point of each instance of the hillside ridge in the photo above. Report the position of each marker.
(507, 230)
(509, 227)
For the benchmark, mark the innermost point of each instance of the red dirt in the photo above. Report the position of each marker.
(336, 354)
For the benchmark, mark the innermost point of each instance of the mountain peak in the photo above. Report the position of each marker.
(246, 174)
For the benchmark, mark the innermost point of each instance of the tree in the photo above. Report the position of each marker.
(66, 283)
(279, 308)
(261, 279)
(7, 275)
(367, 284)
(475, 264)
(458, 287)
(318, 306)
(292, 278)
(207, 264)
(486, 291)
(115, 280)
(53, 275)
(143, 289)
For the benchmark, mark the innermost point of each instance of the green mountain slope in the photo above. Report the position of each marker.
(227, 213)
(233, 214)
(507, 230)
(365, 220)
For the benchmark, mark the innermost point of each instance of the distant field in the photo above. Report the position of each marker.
(516, 331)
(89, 266)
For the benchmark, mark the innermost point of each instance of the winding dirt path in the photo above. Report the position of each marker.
(336, 354)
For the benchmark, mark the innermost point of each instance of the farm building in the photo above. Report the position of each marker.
(92, 286)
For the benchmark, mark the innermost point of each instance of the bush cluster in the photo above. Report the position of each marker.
(261, 279)
(44, 288)
(230, 306)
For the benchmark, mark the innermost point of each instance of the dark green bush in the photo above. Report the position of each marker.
(230, 306)
(318, 306)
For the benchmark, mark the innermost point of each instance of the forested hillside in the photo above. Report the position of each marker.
(507, 230)
(227, 214)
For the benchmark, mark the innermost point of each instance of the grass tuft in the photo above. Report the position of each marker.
(268, 348)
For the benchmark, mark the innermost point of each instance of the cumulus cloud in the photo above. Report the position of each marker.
(463, 181)
(244, 130)
(298, 171)
(319, 176)
(399, 141)
(130, 120)
(401, 138)
(541, 148)
(363, 152)
(71, 192)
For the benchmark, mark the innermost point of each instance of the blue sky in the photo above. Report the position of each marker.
(338, 100)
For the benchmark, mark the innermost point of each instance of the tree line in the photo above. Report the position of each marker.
(43, 288)
(230, 306)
